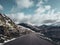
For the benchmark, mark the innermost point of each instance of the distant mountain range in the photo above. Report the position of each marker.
(30, 27)
(47, 30)
(50, 31)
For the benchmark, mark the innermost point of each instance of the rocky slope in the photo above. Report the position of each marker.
(9, 29)
(7, 25)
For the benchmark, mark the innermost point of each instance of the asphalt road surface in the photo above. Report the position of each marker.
(29, 39)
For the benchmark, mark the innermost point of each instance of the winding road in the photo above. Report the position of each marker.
(29, 39)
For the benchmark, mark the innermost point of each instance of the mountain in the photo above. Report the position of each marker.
(8, 26)
(11, 30)
(50, 31)
(30, 27)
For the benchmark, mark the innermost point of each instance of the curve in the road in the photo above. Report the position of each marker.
(29, 39)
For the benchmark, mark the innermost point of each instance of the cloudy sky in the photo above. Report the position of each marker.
(32, 11)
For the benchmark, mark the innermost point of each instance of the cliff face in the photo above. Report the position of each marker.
(8, 26)
(10, 29)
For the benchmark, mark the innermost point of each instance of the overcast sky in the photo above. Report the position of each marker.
(32, 11)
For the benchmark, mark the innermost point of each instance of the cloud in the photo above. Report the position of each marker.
(19, 17)
(42, 8)
(22, 4)
(39, 17)
(35, 19)
(40, 3)
(47, 7)
(1, 7)
(49, 21)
